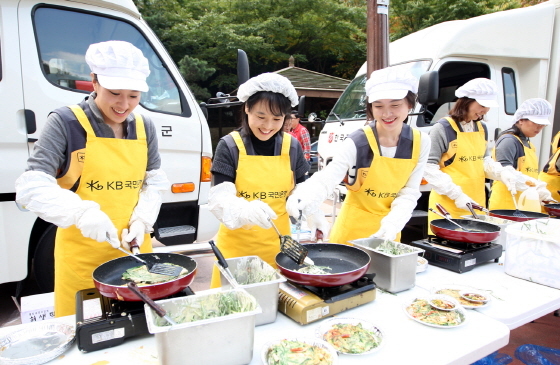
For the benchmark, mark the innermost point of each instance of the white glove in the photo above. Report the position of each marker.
(317, 221)
(96, 225)
(492, 169)
(149, 201)
(462, 200)
(236, 212)
(509, 177)
(387, 231)
(441, 182)
(39, 193)
(307, 197)
(137, 230)
(544, 193)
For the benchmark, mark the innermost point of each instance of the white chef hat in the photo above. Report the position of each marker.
(537, 110)
(390, 83)
(268, 82)
(484, 91)
(119, 65)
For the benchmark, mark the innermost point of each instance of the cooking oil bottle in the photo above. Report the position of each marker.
(529, 200)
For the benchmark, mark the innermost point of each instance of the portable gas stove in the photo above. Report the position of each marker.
(457, 256)
(103, 322)
(306, 304)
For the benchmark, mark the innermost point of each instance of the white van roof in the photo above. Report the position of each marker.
(524, 32)
(126, 6)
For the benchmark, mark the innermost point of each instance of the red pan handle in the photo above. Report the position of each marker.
(134, 247)
(319, 235)
(479, 207)
(136, 290)
(443, 210)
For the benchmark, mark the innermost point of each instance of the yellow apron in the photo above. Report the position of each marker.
(466, 171)
(552, 176)
(370, 198)
(528, 165)
(270, 179)
(112, 176)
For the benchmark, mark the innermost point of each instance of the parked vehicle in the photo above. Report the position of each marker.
(515, 48)
(314, 160)
(43, 68)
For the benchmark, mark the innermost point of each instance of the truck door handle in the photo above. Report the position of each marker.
(30, 123)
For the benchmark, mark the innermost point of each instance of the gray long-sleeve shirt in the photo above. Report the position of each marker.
(49, 154)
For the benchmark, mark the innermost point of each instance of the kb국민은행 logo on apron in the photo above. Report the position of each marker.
(380, 195)
(472, 158)
(263, 194)
(114, 185)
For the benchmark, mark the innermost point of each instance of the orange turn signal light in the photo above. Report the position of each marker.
(182, 188)
(206, 165)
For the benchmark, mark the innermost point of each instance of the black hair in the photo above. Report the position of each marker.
(460, 110)
(278, 104)
(410, 99)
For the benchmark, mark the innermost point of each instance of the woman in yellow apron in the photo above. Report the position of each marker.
(459, 158)
(95, 172)
(383, 163)
(517, 154)
(254, 170)
(551, 171)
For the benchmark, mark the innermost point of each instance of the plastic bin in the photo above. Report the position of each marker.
(266, 293)
(204, 342)
(393, 273)
(533, 251)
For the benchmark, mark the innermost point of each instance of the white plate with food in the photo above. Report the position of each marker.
(420, 310)
(351, 336)
(298, 350)
(36, 344)
(455, 292)
(421, 264)
(443, 302)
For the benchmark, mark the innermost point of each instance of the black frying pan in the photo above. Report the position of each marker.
(348, 264)
(108, 276)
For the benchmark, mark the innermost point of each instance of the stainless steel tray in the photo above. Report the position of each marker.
(36, 344)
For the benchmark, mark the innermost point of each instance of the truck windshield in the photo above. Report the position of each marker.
(352, 102)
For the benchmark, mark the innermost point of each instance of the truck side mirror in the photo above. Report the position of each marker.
(301, 106)
(242, 67)
(428, 88)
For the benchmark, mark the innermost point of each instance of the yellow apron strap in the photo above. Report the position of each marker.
(416, 138)
(239, 142)
(83, 119)
(371, 139)
(140, 130)
(286, 141)
(456, 128)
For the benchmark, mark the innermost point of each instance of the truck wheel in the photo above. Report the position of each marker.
(43, 261)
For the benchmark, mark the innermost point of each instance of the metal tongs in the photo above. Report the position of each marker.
(445, 214)
(292, 248)
(222, 261)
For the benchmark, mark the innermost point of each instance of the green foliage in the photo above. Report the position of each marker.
(327, 36)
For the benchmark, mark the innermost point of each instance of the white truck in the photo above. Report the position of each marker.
(519, 49)
(42, 47)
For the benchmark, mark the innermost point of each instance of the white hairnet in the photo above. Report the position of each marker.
(390, 83)
(484, 91)
(537, 110)
(268, 82)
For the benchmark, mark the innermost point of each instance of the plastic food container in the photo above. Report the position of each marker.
(204, 342)
(393, 273)
(266, 292)
(533, 251)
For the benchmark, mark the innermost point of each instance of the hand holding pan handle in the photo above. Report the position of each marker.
(159, 310)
